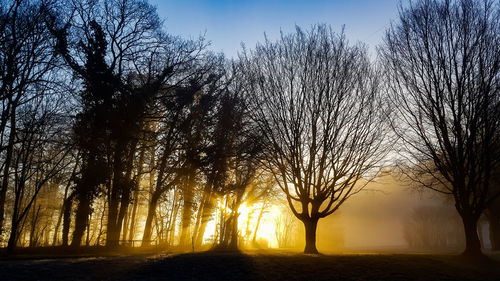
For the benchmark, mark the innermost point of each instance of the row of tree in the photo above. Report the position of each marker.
(110, 127)
(109, 115)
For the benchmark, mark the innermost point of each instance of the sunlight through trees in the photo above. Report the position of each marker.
(117, 135)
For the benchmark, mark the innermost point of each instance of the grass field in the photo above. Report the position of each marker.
(252, 265)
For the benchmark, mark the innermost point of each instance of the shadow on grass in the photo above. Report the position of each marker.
(252, 265)
(225, 265)
(210, 265)
(58, 252)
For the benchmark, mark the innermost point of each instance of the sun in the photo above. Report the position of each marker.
(249, 222)
(266, 230)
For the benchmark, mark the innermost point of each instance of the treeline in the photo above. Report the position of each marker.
(114, 131)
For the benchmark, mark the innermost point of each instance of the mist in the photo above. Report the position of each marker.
(382, 217)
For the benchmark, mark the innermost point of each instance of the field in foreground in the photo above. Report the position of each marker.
(251, 266)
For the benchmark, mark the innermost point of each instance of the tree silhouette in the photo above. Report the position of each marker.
(315, 100)
(442, 62)
(26, 68)
(113, 47)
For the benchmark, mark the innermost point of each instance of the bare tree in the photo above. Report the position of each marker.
(442, 60)
(124, 60)
(40, 154)
(181, 114)
(26, 61)
(315, 99)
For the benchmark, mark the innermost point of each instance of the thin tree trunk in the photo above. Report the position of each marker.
(148, 227)
(136, 196)
(62, 212)
(8, 159)
(112, 234)
(258, 222)
(126, 188)
(125, 225)
(247, 232)
(116, 188)
(34, 219)
(223, 225)
(196, 229)
(101, 225)
(171, 219)
(208, 209)
(11, 244)
(131, 234)
(59, 217)
(87, 239)
(187, 211)
(173, 223)
(67, 206)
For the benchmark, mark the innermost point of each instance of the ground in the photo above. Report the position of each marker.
(252, 265)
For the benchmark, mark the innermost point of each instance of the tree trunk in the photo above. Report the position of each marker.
(123, 210)
(258, 222)
(63, 211)
(112, 231)
(196, 229)
(136, 197)
(131, 234)
(87, 239)
(112, 234)
(148, 227)
(472, 243)
(11, 244)
(233, 244)
(82, 215)
(125, 225)
(34, 220)
(172, 222)
(208, 208)
(310, 226)
(187, 211)
(126, 189)
(101, 224)
(62, 214)
(6, 167)
(67, 207)
(120, 192)
(15, 221)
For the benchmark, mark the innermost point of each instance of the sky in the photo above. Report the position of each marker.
(227, 24)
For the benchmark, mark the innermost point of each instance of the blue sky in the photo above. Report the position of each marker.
(228, 23)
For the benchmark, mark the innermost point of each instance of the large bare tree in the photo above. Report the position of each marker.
(119, 52)
(315, 99)
(442, 60)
